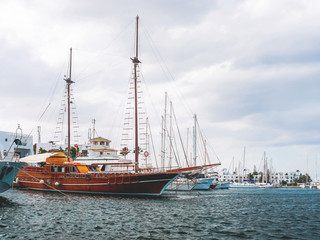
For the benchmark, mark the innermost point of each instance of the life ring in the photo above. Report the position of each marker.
(125, 149)
(146, 154)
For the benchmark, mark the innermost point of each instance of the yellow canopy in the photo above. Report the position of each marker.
(58, 158)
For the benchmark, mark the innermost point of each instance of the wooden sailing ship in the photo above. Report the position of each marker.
(58, 172)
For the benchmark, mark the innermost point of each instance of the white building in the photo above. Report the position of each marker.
(277, 177)
(15, 144)
(288, 177)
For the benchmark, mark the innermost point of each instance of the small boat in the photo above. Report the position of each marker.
(221, 185)
(203, 184)
(188, 180)
(265, 185)
(244, 185)
(8, 172)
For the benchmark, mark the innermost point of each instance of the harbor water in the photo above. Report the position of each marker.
(225, 214)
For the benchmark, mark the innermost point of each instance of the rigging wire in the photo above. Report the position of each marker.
(14, 141)
(100, 53)
(47, 106)
(184, 152)
(154, 152)
(165, 68)
(208, 142)
(45, 183)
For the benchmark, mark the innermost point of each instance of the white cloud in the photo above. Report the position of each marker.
(249, 69)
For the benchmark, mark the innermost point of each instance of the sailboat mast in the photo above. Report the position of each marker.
(164, 131)
(195, 141)
(94, 128)
(135, 62)
(244, 164)
(69, 82)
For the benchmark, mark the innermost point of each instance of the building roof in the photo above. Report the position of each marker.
(100, 139)
(103, 150)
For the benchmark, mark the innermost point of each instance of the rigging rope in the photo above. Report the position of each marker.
(44, 183)
(14, 141)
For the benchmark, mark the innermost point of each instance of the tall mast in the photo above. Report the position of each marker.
(135, 62)
(69, 82)
(188, 145)
(264, 167)
(244, 162)
(164, 131)
(94, 127)
(195, 141)
(170, 134)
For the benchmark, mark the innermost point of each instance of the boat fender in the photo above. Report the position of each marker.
(17, 180)
(41, 181)
(56, 183)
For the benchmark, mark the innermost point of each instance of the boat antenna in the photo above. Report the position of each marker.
(69, 82)
(135, 62)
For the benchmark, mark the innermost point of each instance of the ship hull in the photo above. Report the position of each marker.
(151, 184)
(203, 184)
(8, 171)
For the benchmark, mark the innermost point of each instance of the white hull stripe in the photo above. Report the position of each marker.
(99, 184)
(102, 193)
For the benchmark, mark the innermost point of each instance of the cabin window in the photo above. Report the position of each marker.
(60, 169)
(57, 169)
(84, 153)
(101, 153)
(101, 143)
(93, 169)
(73, 169)
(54, 168)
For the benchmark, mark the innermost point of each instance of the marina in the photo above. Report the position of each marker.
(159, 120)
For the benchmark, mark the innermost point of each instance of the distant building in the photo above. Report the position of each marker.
(21, 146)
(288, 177)
(276, 177)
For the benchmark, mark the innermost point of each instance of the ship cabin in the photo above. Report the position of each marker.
(57, 164)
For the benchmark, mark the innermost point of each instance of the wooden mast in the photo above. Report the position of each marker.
(135, 62)
(69, 82)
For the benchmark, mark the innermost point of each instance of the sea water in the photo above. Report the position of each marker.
(219, 214)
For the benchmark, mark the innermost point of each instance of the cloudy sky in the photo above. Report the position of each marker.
(250, 70)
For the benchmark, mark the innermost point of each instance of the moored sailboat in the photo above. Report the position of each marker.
(57, 172)
(53, 172)
(194, 177)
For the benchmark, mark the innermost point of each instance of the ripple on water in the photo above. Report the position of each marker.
(230, 214)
